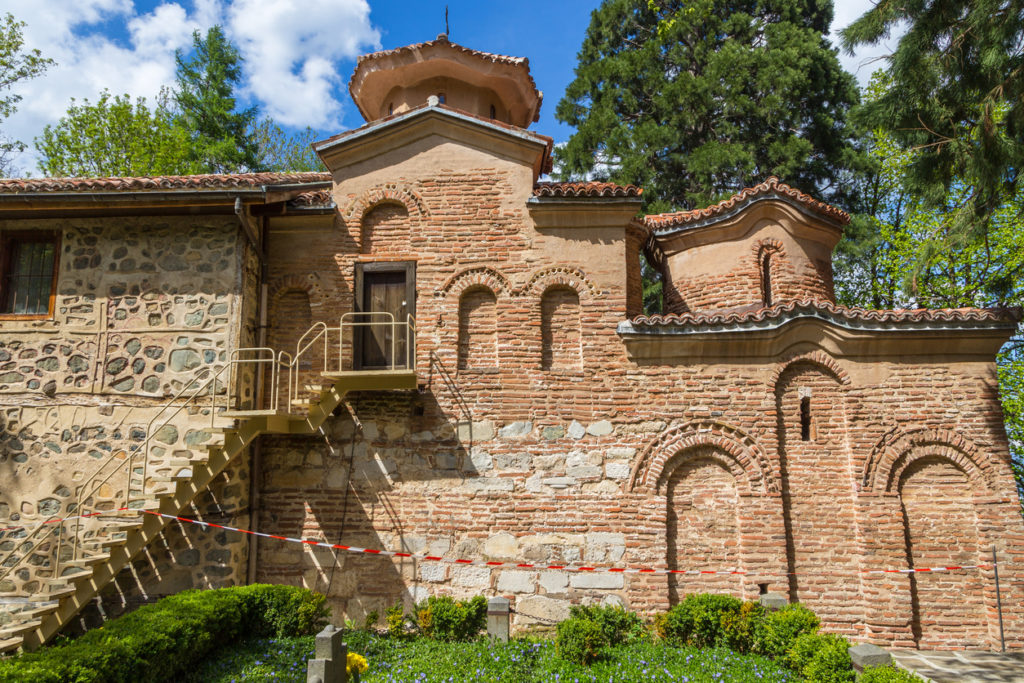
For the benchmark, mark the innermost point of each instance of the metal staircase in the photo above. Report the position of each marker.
(72, 558)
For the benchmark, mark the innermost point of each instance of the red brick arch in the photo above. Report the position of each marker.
(898, 450)
(819, 358)
(309, 283)
(479, 276)
(739, 453)
(559, 276)
(390, 193)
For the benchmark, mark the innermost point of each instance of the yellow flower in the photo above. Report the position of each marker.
(355, 663)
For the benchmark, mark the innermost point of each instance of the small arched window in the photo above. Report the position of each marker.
(766, 277)
(494, 112)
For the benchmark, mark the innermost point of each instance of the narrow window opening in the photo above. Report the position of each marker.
(766, 279)
(441, 98)
(494, 112)
(805, 418)
(391, 109)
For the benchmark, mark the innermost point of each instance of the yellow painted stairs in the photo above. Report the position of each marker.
(122, 535)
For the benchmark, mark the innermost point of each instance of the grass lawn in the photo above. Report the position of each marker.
(284, 659)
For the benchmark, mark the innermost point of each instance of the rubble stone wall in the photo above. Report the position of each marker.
(142, 306)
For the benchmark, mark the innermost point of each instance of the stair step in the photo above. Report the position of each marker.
(67, 579)
(186, 462)
(42, 610)
(10, 644)
(252, 413)
(85, 562)
(105, 543)
(18, 629)
(55, 593)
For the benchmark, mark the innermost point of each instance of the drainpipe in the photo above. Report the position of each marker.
(256, 450)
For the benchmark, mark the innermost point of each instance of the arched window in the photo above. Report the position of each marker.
(560, 329)
(766, 277)
(478, 329)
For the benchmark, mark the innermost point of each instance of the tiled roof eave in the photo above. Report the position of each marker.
(739, 207)
(770, 319)
(248, 183)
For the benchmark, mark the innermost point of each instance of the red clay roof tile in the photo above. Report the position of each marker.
(789, 309)
(585, 189)
(218, 181)
(770, 186)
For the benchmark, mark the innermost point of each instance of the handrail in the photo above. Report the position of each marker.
(207, 382)
(5, 571)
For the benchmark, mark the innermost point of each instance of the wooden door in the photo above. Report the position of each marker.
(384, 288)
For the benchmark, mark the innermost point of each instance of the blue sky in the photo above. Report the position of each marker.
(299, 53)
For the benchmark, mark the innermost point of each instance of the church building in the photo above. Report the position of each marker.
(427, 371)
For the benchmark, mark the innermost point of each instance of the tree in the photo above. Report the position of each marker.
(221, 137)
(906, 251)
(15, 65)
(281, 152)
(116, 138)
(695, 100)
(957, 98)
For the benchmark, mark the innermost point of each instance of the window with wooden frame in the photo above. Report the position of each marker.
(28, 280)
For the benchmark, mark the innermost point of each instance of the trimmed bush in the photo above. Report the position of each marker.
(616, 624)
(448, 620)
(776, 633)
(887, 674)
(160, 642)
(697, 620)
(820, 657)
(739, 628)
(579, 640)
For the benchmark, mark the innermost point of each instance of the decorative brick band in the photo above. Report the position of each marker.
(739, 453)
(390, 193)
(898, 450)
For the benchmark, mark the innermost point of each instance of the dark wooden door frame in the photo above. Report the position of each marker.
(408, 268)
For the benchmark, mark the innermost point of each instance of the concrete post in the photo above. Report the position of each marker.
(868, 655)
(330, 658)
(773, 601)
(497, 619)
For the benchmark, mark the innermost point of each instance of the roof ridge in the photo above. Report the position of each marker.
(771, 185)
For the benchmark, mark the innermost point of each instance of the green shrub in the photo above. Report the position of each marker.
(394, 617)
(775, 633)
(697, 620)
(739, 628)
(445, 619)
(579, 640)
(820, 657)
(887, 674)
(616, 624)
(161, 641)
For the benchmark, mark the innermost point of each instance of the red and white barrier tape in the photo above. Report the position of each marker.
(527, 565)
(65, 519)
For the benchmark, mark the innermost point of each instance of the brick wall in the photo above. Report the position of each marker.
(693, 463)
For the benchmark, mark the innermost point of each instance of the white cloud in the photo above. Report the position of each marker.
(291, 49)
(868, 58)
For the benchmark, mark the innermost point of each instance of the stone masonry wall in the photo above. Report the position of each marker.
(143, 304)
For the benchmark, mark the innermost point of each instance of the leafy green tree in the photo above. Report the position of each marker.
(281, 152)
(957, 99)
(694, 100)
(906, 251)
(221, 137)
(16, 65)
(115, 137)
